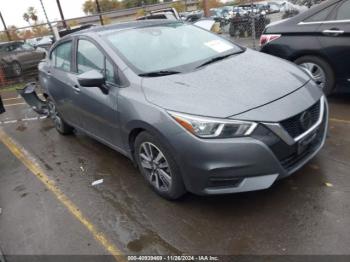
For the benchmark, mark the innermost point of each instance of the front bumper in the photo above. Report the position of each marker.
(221, 166)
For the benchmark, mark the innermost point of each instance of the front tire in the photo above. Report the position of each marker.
(320, 70)
(61, 126)
(158, 166)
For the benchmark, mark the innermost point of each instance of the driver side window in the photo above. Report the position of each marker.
(89, 57)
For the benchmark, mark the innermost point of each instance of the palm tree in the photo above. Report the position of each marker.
(31, 15)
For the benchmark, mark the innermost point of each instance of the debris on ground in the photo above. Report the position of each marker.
(327, 184)
(97, 182)
(82, 169)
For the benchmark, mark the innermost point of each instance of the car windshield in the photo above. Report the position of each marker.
(174, 46)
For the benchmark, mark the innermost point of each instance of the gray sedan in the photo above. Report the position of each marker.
(16, 57)
(194, 111)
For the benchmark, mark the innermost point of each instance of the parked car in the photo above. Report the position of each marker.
(318, 40)
(193, 110)
(16, 57)
(194, 16)
(164, 13)
(44, 41)
(273, 7)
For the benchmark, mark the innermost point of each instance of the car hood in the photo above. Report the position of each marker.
(237, 84)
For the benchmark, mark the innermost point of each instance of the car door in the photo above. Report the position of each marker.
(335, 41)
(97, 108)
(17, 53)
(61, 82)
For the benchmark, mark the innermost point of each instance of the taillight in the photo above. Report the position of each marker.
(264, 39)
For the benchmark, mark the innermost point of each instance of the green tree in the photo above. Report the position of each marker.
(89, 6)
(211, 3)
(179, 6)
(13, 32)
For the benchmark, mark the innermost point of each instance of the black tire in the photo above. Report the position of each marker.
(330, 77)
(176, 188)
(61, 126)
(16, 69)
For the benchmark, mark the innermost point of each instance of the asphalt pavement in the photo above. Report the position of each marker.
(48, 205)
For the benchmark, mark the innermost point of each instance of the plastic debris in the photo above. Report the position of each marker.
(327, 184)
(97, 182)
(315, 167)
(82, 168)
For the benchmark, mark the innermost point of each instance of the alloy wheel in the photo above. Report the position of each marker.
(317, 73)
(155, 166)
(16, 67)
(54, 115)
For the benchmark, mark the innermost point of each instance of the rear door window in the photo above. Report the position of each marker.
(320, 16)
(343, 11)
(61, 56)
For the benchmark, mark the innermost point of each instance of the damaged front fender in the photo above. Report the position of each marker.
(32, 99)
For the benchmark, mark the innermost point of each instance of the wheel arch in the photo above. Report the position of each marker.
(135, 128)
(300, 54)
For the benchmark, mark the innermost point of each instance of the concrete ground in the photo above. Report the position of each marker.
(307, 213)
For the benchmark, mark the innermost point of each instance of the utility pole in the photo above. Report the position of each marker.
(61, 13)
(5, 27)
(253, 24)
(99, 11)
(206, 8)
(47, 19)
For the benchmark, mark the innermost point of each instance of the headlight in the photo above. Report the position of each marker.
(213, 127)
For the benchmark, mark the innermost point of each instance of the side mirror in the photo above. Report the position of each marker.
(91, 78)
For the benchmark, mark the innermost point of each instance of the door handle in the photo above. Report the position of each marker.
(334, 32)
(76, 88)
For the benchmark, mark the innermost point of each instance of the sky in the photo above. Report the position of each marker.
(13, 10)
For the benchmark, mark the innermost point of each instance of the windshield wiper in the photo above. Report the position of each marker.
(160, 73)
(217, 58)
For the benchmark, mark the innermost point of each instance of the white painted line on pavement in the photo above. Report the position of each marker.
(23, 120)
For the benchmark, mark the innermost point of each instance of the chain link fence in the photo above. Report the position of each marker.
(244, 24)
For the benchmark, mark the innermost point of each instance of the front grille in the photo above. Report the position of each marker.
(298, 124)
(296, 157)
(288, 155)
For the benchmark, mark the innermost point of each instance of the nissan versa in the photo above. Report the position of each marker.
(194, 111)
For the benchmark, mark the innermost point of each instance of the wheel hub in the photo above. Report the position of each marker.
(316, 72)
(155, 166)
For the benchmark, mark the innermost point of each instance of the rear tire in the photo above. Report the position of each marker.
(318, 67)
(16, 69)
(61, 126)
(158, 166)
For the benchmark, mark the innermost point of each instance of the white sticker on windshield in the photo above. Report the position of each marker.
(218, 46)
